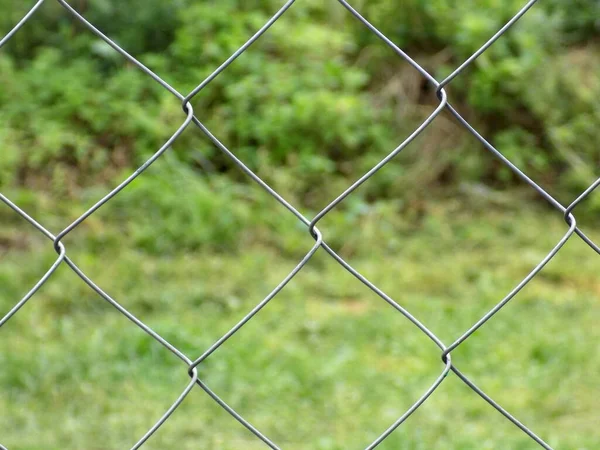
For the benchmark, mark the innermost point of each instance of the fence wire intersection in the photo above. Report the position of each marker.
(311, 224)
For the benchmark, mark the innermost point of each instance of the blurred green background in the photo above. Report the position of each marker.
(193, 244)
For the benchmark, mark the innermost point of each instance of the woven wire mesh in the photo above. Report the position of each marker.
(189, 118)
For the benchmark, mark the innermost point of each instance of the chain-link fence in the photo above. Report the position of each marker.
(447, 365)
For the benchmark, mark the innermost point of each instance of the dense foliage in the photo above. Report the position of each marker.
(318, 94)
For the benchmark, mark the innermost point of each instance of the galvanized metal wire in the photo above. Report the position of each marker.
(188, 117)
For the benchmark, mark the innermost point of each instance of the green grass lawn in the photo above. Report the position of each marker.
(327, 364)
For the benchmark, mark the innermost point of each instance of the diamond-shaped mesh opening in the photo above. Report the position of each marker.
(298, 362)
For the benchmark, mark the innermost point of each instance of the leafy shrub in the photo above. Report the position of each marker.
(317, 96)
